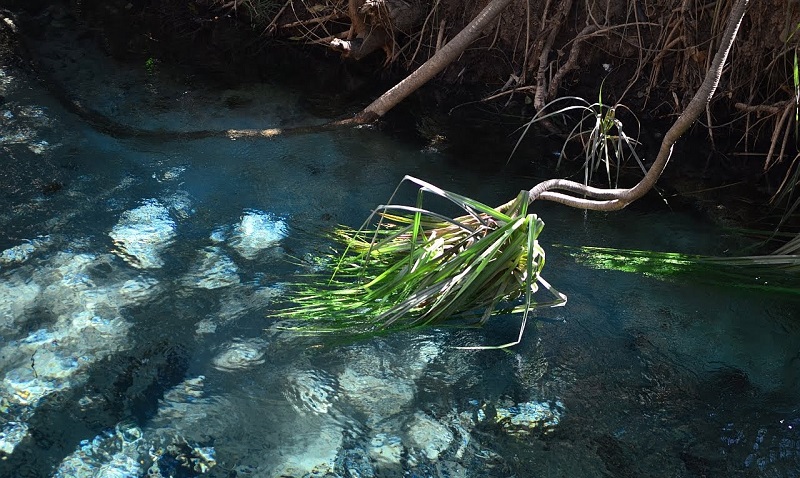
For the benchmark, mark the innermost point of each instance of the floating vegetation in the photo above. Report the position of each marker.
(772, 272)
(417, 267)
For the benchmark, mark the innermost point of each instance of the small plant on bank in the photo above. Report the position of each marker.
(150, 65)
(416, 267)
(600, 132)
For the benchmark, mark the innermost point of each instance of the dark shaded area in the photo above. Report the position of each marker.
(219, 45)
(126, 388)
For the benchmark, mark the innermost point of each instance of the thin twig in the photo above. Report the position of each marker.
(440, 35)
(271, 27)
(422, 31)
(311, 21)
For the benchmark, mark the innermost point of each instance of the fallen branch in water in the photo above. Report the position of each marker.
(416, 267)
(571, 193)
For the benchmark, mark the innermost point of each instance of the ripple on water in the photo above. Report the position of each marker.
(143, 233)
(257, 231)
(212, 270)
(240, 354)
(311, 391)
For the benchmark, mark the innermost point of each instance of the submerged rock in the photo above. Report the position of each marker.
(378, 397)
(22, 252)
(386, 450)
(526, 418)
(109, 455)
(159, 450)
(212, 270)
(17, 298)
(428, 435)
(86, 326)
(143, 233)
(313, 454)
(240, 354)
(381, 392)
(257, 231)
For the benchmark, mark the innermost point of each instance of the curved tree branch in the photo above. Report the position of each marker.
(615, 199)
(435, 64)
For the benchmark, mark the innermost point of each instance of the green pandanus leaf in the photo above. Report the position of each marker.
(421, 267)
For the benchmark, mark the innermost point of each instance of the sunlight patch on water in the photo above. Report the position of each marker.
(22, 252)
(240, 354)
(87, 328)
(143, 233)
(212, 270)
(257, 231)
(6, 80)
(17, 298)
(22, 124)
(771, 449)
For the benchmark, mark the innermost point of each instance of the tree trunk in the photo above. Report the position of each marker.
(435, 64)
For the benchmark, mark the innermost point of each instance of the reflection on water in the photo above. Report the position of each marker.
(134, 340)
(142, 233)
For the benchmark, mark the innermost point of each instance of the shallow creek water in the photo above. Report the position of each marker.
(136, 278)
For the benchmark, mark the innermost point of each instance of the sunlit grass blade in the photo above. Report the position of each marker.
(771, 272)
(422, 267)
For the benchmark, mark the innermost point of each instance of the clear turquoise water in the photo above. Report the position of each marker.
(134, 338)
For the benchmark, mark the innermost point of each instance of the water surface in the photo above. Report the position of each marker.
(137, 278)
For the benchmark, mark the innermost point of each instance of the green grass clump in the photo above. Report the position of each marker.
(415, 267)
(778, 273)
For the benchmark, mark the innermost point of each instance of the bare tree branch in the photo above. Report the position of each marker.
(615, 199)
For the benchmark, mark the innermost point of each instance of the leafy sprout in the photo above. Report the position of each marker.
(604, 142)
(409, 267)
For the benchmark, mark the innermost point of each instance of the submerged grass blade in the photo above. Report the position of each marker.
(775, 273)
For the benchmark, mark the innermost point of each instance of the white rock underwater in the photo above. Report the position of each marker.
(143, 233)
(86, 325)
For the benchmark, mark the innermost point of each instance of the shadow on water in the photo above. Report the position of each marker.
(135, 339)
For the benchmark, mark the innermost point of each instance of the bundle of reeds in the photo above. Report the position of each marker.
(409, 266)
